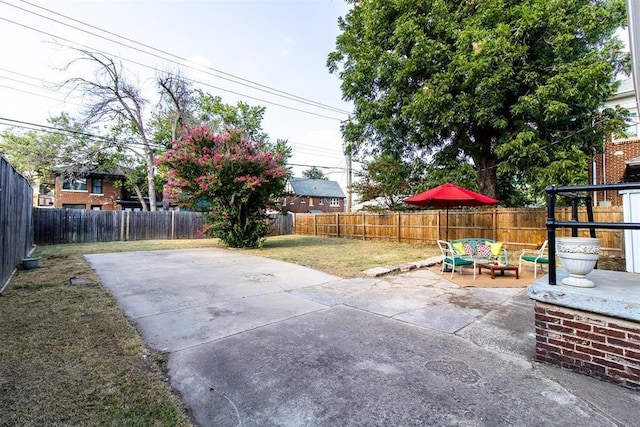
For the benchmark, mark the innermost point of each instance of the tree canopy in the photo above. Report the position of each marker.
(516, 88)
(314, 172)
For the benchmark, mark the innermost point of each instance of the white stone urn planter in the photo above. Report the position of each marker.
(579, 256)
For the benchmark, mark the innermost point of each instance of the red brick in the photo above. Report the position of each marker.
(622, 374)
(548, 348)
(577, 325)
(590, 350)
(547, 319)
(590, 336)
(607, 363)
(561, 343)
(595, 369)
(539, 309)
(623, 328)
(576, 340)
(609, 332)
(560, 328)
(608, 348)
(623, 343)
(633, 337)
(560, 314)
(540, 338)
(632, 355)
(541, 331)
(576, 355)
(635, 370)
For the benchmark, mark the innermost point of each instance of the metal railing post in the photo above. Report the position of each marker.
(551, 232)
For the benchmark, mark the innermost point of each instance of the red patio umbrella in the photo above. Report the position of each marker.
(448, 194)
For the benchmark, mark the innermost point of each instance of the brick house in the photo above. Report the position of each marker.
(313, 196)
(94, 190)
(620, 159)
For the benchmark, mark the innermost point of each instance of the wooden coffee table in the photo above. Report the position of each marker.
(499, 267)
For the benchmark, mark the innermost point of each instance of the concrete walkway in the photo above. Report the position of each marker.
(259, 342)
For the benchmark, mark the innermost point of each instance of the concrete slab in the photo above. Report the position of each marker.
(346, 367)
(253, 341)
(179, 329)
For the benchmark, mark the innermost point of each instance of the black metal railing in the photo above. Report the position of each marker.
(575, 194)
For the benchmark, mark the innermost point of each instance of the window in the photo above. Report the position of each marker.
(96, 207)
(632, 126)
(631, 131)
(303, 199)
(310, 201)
(75, 184)
(335, 201)
(321, 201)
(96, 186)
(73, 206)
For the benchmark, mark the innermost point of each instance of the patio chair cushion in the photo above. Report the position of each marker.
(458, 261)
(534, 258)
(484, 250)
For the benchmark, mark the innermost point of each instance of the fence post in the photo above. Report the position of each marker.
(337, 224)
(173, 224)
(398, 229)
(364, 227)
(315, 225)
(495, 224)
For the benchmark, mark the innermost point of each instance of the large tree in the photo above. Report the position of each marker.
(113, 99)
(386, 179)
(64, 146)
(515, 87)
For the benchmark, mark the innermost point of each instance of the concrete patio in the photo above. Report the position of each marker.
(253, 341)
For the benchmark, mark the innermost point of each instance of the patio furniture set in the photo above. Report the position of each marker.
(489, 255)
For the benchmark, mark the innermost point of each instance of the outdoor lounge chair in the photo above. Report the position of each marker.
(536, 257)
(451, 259)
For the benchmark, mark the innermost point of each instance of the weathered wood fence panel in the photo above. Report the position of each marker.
(518, 228)
(16, 238)
(280, 224)
(53, 226)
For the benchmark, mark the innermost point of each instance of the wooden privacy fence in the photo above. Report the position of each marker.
(15, 220)
(517, 228)
(53, 226)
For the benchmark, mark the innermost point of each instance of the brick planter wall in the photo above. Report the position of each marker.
(600, 346)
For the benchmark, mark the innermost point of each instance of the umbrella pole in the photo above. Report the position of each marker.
(447, 228)
(446, 233)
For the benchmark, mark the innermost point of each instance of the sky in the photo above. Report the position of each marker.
(267, 53)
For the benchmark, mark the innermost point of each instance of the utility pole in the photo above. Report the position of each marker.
(349, 182)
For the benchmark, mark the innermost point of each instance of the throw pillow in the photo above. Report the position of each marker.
(496, 249)
(459, 248)
(468, 248)
(484, 250)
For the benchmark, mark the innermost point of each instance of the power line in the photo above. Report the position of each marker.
(249, 83)
(155, 69)
(62, 131)
(108, 54)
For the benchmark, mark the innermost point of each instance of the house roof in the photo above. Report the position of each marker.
(316, 187)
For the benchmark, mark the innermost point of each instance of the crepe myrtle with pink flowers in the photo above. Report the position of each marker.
(231, 179)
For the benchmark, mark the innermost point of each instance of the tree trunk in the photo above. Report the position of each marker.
(141, 198)
(151, 179)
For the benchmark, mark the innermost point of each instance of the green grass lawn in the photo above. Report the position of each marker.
(69, 356)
